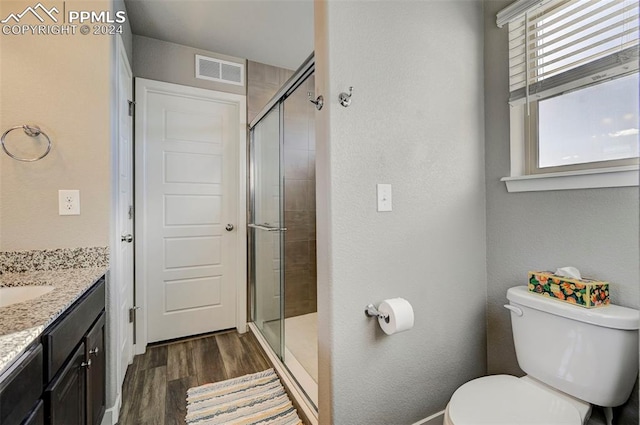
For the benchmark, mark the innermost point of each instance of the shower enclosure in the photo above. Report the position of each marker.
(282, 241)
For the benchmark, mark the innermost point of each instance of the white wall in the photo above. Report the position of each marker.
(594, 230)
(416, 122)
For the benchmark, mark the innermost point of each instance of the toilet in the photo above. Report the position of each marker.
(573, 357)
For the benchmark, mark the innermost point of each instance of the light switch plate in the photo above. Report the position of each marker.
(384, 197)
(69, 202)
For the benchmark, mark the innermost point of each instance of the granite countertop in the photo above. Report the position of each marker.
(22, 323)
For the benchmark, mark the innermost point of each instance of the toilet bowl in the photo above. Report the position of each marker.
(556, 345)
(507, 400)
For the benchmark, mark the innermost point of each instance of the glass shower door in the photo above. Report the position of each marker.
(266, 216)
(282, 236)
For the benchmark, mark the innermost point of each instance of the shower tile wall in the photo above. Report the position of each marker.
(300, 203)
(263, 81)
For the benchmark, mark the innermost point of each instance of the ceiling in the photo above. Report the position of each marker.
(275, 32)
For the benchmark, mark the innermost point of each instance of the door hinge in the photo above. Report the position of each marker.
(132, 314)
(130, 212)
(131, 107)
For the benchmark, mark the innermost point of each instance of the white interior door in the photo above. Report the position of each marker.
(187, 177)
(124, 220)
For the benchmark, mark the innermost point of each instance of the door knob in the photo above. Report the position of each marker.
(229, 227)
(127, 238)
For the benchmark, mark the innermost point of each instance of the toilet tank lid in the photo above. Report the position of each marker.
(611, 316)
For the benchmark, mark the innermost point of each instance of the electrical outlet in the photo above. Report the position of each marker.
(69, 202)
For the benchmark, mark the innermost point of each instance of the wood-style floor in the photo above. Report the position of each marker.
(156, 384)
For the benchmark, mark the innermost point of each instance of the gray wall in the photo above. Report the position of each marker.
(594, 230)
(416, 121)
(174, 63)
(49, 81)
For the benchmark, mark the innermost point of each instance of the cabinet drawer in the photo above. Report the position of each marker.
(21, 386)
(61, 339)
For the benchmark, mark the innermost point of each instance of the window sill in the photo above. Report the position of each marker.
(584, 179)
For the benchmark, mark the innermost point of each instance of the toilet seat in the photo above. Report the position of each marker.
(507, 400)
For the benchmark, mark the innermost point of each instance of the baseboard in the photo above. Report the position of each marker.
(112, 414)
(435, 419)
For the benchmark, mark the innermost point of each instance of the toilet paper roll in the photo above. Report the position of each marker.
(400, 315)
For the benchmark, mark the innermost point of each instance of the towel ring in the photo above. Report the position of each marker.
(31, 131)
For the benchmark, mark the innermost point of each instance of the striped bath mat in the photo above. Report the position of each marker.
(258, 398)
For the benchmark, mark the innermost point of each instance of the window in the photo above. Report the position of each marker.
(595, 126)
(573, 77)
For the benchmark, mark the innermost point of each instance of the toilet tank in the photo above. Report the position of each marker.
(591, 354)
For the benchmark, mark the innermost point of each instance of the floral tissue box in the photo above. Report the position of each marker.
(584, 292)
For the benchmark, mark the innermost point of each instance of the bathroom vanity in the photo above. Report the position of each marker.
(52, 350)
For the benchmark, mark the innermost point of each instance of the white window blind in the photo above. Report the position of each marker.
(559, 45)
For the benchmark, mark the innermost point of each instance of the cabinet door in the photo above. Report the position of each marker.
(21, 386)
(65, 396)
(94, 346)
(36, 417)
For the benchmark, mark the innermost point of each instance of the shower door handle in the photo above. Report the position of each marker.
(267, 227)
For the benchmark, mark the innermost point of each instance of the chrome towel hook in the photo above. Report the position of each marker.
(319, 102)
(31, 131)
(345, 99)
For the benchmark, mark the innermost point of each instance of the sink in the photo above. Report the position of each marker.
(20, 294)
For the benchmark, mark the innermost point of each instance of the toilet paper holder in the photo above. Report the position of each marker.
(371, 311)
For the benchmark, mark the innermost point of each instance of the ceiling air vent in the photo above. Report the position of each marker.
(219, 70)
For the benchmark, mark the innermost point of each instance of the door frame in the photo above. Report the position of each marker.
(113, 340)
(142, 88)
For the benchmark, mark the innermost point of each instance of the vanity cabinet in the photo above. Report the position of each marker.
(20, 390)
(74, 362)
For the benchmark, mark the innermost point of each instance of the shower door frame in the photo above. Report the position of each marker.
(297, 79)
(292, 84)
(251, 243)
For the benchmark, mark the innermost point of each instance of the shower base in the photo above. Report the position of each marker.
(300, 350)
(307, 407)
